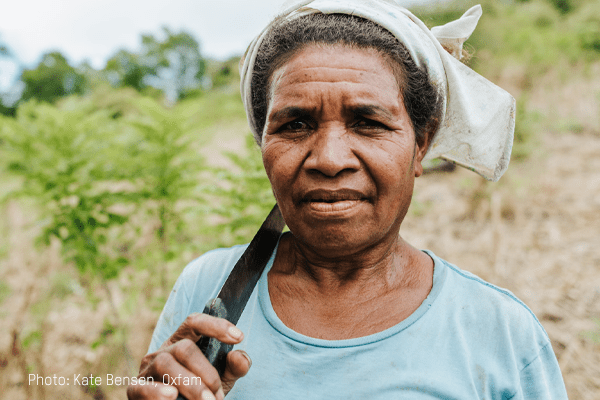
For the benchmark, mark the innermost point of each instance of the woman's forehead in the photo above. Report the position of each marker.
(337, 56)
(362, 72)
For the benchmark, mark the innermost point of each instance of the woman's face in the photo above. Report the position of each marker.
(339, 149)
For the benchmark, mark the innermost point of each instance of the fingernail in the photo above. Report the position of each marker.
(220, 394)
(247, 357)
(207, 395)
(168, 391)
(235, 332)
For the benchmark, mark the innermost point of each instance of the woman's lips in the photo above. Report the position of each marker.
(335, 206)
(333, 201)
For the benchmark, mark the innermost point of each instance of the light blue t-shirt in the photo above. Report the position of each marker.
(467, 340)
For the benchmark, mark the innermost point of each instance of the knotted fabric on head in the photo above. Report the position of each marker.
(478, 117)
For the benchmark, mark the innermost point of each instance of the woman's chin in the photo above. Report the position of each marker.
(335, 240)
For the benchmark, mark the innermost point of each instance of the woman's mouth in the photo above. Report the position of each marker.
(333, 205)
(327, 201)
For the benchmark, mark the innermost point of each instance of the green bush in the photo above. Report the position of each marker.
(243, 196)
(64, 156)
(91, 169)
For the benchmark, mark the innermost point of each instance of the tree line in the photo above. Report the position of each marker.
(169, 66)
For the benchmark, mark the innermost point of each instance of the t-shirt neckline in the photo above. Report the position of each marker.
(439, 277)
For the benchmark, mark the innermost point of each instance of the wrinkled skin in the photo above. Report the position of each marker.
(340, 152)
(337, 125)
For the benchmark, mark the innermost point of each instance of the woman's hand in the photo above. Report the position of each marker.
(179, 360)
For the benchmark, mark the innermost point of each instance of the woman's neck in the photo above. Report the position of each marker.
(392, 263)
(355, 296)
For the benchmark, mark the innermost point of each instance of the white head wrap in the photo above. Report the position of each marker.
(478, 117)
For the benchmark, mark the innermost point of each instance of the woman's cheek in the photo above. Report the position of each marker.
(278, 163)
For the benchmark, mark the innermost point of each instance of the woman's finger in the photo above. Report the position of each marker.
(189, 355)
(238, 364)
(197, 325)
(167, 370)
(180, 363)
(157, 390)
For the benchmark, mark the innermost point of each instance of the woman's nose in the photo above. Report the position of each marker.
(331, 152)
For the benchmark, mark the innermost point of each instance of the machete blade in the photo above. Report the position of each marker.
(238, 287)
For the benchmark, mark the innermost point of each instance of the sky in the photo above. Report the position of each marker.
(93, 30)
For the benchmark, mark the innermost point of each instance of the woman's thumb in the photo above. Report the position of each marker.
(238, 364)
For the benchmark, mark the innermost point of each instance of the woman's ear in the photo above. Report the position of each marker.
(421, 147)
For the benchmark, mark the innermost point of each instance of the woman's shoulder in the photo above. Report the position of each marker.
(202, 278)
(471, 286)
(199, 282)
(487, 311)
(214, 264)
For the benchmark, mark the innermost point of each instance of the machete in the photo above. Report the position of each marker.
(240, 283)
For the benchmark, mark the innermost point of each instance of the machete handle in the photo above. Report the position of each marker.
(214, 350)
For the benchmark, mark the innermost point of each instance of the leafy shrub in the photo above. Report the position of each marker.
(243, 196)
(64, 156)
(564, 6)
(589, 34)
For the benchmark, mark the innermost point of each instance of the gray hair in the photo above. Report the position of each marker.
(421, 98)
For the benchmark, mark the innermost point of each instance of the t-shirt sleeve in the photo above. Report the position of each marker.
(541, 378)
(173, 315)
(199, 282)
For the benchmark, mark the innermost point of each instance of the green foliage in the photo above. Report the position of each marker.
(107, 331)
(66, 162)
(172, 64)
(589, 34)
(124, 69)
(526, 126)
(594, 336)
(8, 111)
(63, 285)
(584, 24)
(563, 6)
(243, 196)
(53, 78)
(224, 74)
(5, 53)
(208, 112)
(33, 338)
(534, 33)
(440, 15)
(168, 170)
(418, 208)
(94, 164)
(5, 291)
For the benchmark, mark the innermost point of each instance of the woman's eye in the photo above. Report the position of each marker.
(296, 125)
(369, 123)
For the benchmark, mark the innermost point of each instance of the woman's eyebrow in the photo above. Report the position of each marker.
(369, 109)
(289, 113)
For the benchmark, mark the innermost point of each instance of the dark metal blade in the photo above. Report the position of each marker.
(238, 287)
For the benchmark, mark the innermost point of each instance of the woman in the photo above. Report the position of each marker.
(346, 98)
